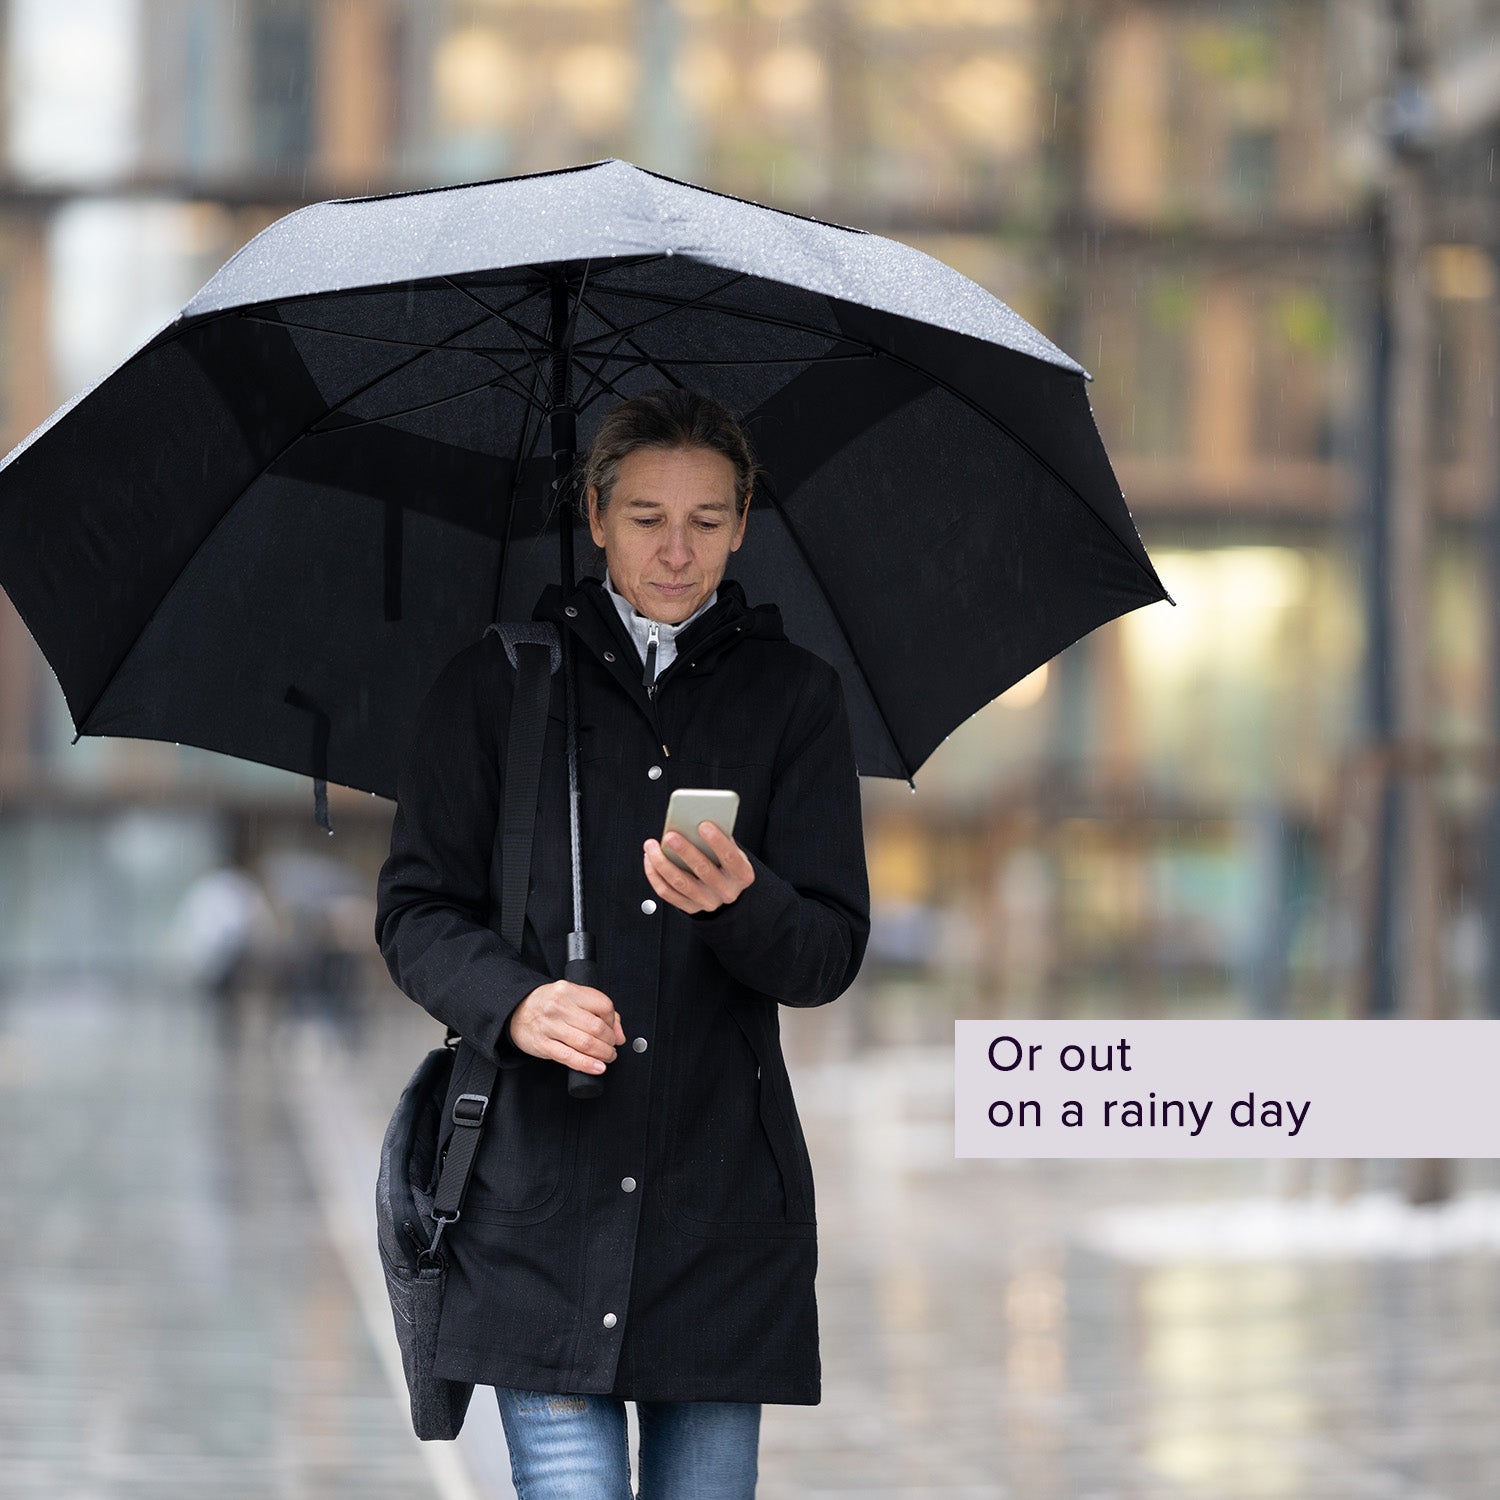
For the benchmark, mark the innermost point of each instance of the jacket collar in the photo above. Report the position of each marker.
(641, 626)
(596, 622)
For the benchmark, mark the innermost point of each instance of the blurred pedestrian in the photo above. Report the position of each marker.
(221, 926)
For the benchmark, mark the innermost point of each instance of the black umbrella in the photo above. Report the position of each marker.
(267, 529)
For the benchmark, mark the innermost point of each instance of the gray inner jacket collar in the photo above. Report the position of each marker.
(640, 626)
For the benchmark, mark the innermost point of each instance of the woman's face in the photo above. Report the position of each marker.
(669, 528)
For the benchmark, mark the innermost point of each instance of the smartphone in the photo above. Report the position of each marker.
(690, 806)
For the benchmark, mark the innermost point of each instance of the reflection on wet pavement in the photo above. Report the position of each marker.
(186, 1204)
(979, 1341)
(174, 1322)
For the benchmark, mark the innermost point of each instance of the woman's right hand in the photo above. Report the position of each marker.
(568, 1023)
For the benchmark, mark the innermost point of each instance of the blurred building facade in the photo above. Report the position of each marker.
(1182, 195)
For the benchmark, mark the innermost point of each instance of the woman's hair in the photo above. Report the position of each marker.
(669, 419)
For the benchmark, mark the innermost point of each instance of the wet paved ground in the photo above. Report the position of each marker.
(193, 1302)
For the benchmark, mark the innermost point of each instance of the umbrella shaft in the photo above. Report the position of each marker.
(564, 440)
(575, 799)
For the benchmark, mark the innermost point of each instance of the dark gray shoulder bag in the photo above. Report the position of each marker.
(411, 1212)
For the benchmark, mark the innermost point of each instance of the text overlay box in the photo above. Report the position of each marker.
(1227, 1088)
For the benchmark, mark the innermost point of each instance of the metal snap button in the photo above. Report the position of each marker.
(570, 612)
(628, 1183)
(654, 773)
(648, 906)
(609, 656)
(638, 1045)
(610, 1320)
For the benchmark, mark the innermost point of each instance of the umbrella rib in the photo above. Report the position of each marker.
(666, 312)
(320, 426)
(583, 400)
(644, 361)
(603, 359)
(405, 364)
(407, 411)
(1031, 452)
(505, 371)
(606, 386)
(768, 319)
(624, 336)
(445, 347)
(418, 286)
(791, 359)
(614, 263)
(526, 335)
(838, 620)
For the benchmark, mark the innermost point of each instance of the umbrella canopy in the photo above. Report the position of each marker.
(267, 529)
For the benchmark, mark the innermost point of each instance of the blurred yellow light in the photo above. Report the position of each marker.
(948, 12)
(704, 77)
(552, 5)
(990, 100)
(1460, 273)
(900, 863)
(788, 81)
(596, 84)
(1027, 691)
(479, 82)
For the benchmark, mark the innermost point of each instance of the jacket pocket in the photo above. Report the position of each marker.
(523, 1167)
(741, 1166)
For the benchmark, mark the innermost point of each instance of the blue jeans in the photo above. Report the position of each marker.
(574, 1447)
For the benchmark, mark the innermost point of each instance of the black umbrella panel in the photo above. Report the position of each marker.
(270, 527)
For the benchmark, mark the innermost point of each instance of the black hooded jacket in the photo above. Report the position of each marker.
(659, 1242)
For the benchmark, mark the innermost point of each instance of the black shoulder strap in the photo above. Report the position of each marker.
(535, 651)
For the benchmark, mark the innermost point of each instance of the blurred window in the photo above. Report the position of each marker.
(1225, 369)
(1461, 279)
(1207, 110)
(951, 118)
(1462, 601)
(1297, 339)
(281, 84)
(1143, 319)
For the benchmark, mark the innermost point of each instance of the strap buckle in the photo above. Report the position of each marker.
(473, 1115)
(432, 1256)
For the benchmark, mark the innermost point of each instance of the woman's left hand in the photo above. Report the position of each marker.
(703, 886)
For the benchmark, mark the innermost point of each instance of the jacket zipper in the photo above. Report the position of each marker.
(652, 636)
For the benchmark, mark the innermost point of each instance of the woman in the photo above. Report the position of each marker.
(656, 1244)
